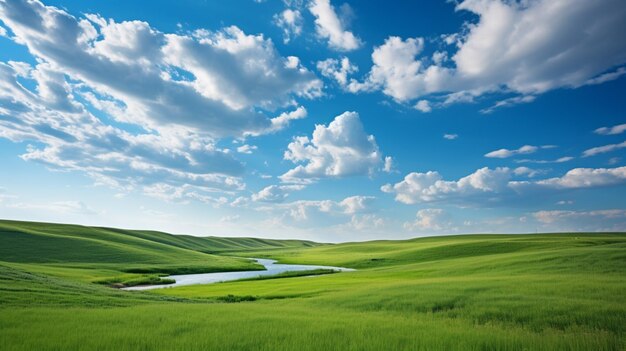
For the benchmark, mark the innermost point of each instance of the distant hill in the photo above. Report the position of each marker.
(127, 250)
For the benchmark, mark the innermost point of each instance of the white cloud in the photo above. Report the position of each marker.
(618, 129)
(423, 106)
(275, 193)
(206, 82)
(490, 186)
(586, 178)
(450, 136)
(341, 149)
(604, 149)
(431, 187)
(246, 149)
(337, 70)
(524, 150)
(558, 160)
(429, 219)
(527, 172)
(323, 212)
(524, 48)
(388, 167)
(366, 222)
(549, 217)
(67, 137)
(179, 92)
(290, 21)
(329, 26)
(399, 74)
(355, 204)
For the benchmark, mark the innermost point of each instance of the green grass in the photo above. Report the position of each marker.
(476, 292)
(292, 274)
(97, 254)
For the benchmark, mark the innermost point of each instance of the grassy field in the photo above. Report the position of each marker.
(127, 257)
(475, 292)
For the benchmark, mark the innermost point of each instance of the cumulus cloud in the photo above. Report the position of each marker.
(522, 48)
(526, 149)
(429, 219)
(341, 149)
(177, 94)
(208, 82)
(290, 21)
(431, 187)
(67, 137)
(337, 70)
(489, 186)
(604, 149)
(355, 204)
(423, 106)
(275, 193)
(330, 27)
(618, 129)
(586, 178)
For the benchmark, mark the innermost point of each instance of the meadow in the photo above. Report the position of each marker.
(473, 292)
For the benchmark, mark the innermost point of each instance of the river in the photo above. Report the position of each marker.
(271, 268)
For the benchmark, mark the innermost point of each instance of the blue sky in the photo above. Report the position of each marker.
(323, 120)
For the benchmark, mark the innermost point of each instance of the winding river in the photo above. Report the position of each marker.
(271, 268)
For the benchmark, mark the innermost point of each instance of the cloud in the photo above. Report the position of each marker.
(423, 106)
(207, 82)
(388, 167)
(329, 26)
(524, 150)
(491, 186)
(275, 193)
(450, 136)
(398, 74)
(431, 187)
(430, 219)
(586, 178)
(617, 129)
(554, 216)
(527, 172)
(67, 137)
(516, 48)
(322, 212)
(337, 70)
(290, 21)
(355, 204)
(558, 160)
(246, 149)
(339, 150)
(603, 149)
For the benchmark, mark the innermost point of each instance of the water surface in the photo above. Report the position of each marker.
(271, 268)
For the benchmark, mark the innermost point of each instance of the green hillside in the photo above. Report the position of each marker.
(117, 256)
(468, 292)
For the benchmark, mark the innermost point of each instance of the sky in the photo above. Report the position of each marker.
(315, 119)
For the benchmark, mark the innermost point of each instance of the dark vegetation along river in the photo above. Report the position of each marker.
(271, 268)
